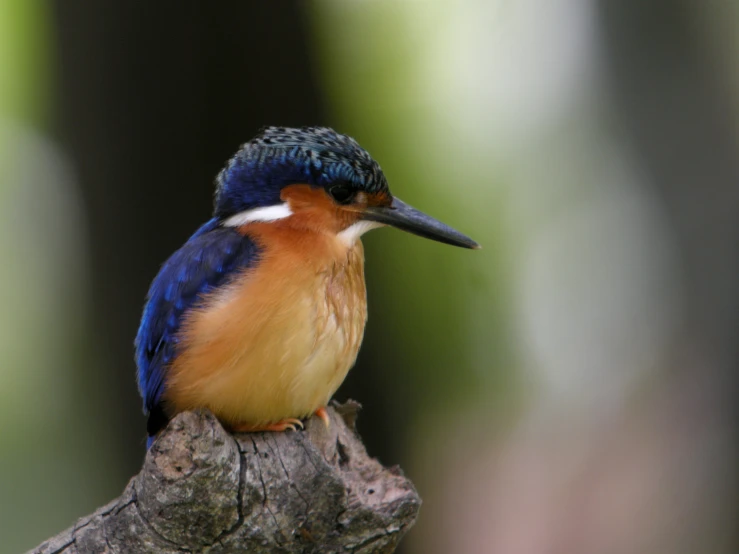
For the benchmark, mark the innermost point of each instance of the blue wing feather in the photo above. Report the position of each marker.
(205, 262)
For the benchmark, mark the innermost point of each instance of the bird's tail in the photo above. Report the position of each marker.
(156, 422)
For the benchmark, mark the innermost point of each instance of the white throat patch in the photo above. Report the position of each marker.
(352, 233)
(268, 213)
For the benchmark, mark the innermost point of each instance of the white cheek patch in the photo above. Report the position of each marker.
(350, 235)
(268, 213)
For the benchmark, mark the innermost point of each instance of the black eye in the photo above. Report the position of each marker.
(341, 193)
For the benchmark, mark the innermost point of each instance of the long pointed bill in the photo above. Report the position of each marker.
(401, 215)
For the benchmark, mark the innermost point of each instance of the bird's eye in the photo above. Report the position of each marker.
(341, 193)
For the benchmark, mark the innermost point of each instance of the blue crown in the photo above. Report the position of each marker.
(280, 156)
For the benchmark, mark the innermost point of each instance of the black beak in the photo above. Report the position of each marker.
(401, 215)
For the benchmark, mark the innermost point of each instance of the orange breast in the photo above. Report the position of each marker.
(279, 341)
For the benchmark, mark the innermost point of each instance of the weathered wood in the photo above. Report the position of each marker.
(204, 490)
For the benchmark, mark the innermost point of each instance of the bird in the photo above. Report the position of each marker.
(259, 316)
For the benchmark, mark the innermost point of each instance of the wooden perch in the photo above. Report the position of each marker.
(204, 490)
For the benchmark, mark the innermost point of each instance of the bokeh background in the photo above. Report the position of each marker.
(571, 388)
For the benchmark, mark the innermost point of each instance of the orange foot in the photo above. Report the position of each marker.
(323, 415)
(289, 423)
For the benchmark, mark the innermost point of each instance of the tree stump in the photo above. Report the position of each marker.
(202, 489)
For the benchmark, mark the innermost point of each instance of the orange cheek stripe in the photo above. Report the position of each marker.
(379, 199)
(314, 209)
(304, 195)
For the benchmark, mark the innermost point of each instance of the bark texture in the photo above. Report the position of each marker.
(204, 490)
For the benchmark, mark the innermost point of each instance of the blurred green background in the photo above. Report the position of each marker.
(569, 388)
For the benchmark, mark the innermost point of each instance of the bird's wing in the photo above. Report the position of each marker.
(208, 260)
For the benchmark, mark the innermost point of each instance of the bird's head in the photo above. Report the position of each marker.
(318, 179)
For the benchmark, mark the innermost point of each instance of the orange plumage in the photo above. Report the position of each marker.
(280, 339)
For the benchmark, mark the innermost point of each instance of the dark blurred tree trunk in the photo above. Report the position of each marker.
(155, 96)
(676, 109)
(662, 71)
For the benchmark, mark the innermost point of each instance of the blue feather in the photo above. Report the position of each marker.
(278, 156)
(208, 260)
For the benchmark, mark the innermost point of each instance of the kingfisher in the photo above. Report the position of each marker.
(259, 316)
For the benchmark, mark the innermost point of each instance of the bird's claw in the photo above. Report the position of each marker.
(292, 424)
(322, 414)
